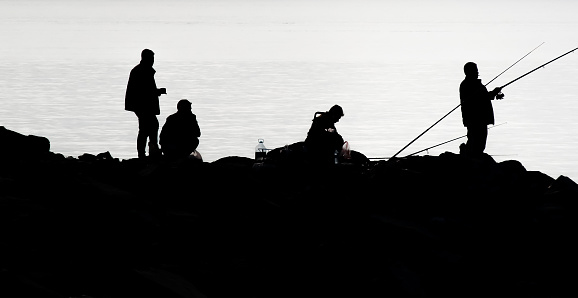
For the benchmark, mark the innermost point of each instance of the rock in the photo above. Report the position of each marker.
(296, 155)
(445, 225)
(564, 184)
(512, 166)
(235, 161)
(16, 144)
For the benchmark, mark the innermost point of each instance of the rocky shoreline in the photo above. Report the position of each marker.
(443, 225)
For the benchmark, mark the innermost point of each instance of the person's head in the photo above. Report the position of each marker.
(184, 105)
(147, 57)
(336, 112)
(471, 70)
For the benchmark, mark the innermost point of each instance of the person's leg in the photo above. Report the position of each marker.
(153, 133)
(483, 138)
(186, 149)
(141, 139)
(148, 128)
(170, 151)
(477, 136)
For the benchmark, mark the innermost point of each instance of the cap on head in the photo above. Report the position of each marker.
(336, 110)
(471, 68)
(184, 105)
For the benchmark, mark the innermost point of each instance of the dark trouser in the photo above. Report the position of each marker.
(148, 128)
(175, 151)
(321, 154)
(477, 136)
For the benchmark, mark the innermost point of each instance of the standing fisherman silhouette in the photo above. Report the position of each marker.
(142, 98)
(477, 110)
(322, 139)
(180, 134)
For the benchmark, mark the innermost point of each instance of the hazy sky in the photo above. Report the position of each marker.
(278, 29)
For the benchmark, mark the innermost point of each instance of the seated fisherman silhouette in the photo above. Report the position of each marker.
(180, 134)
(477, 110)
(322, 139)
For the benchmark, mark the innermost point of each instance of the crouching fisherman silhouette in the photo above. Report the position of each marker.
(180, 135)
(323, 145)
(477, 110)
(322, 140)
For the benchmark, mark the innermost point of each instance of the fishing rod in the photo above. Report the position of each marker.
(426, 149)
(436, 145)
(442, 118)
(533, 70)
(514, 64)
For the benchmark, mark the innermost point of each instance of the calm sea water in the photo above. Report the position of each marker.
(261, 69)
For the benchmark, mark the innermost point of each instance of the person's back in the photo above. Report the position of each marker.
(322, 139)
(179, 136)
(322, 131)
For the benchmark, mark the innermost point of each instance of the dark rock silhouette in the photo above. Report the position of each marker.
(445, 225)
(297, 154)
(17, 144)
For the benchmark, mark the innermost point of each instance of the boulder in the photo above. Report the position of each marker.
(19, 145)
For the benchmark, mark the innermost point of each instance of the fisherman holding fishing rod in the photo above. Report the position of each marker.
(477, 110)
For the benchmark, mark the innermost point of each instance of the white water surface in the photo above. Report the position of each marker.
(262, 68)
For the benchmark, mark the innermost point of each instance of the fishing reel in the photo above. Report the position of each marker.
(500, 95)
